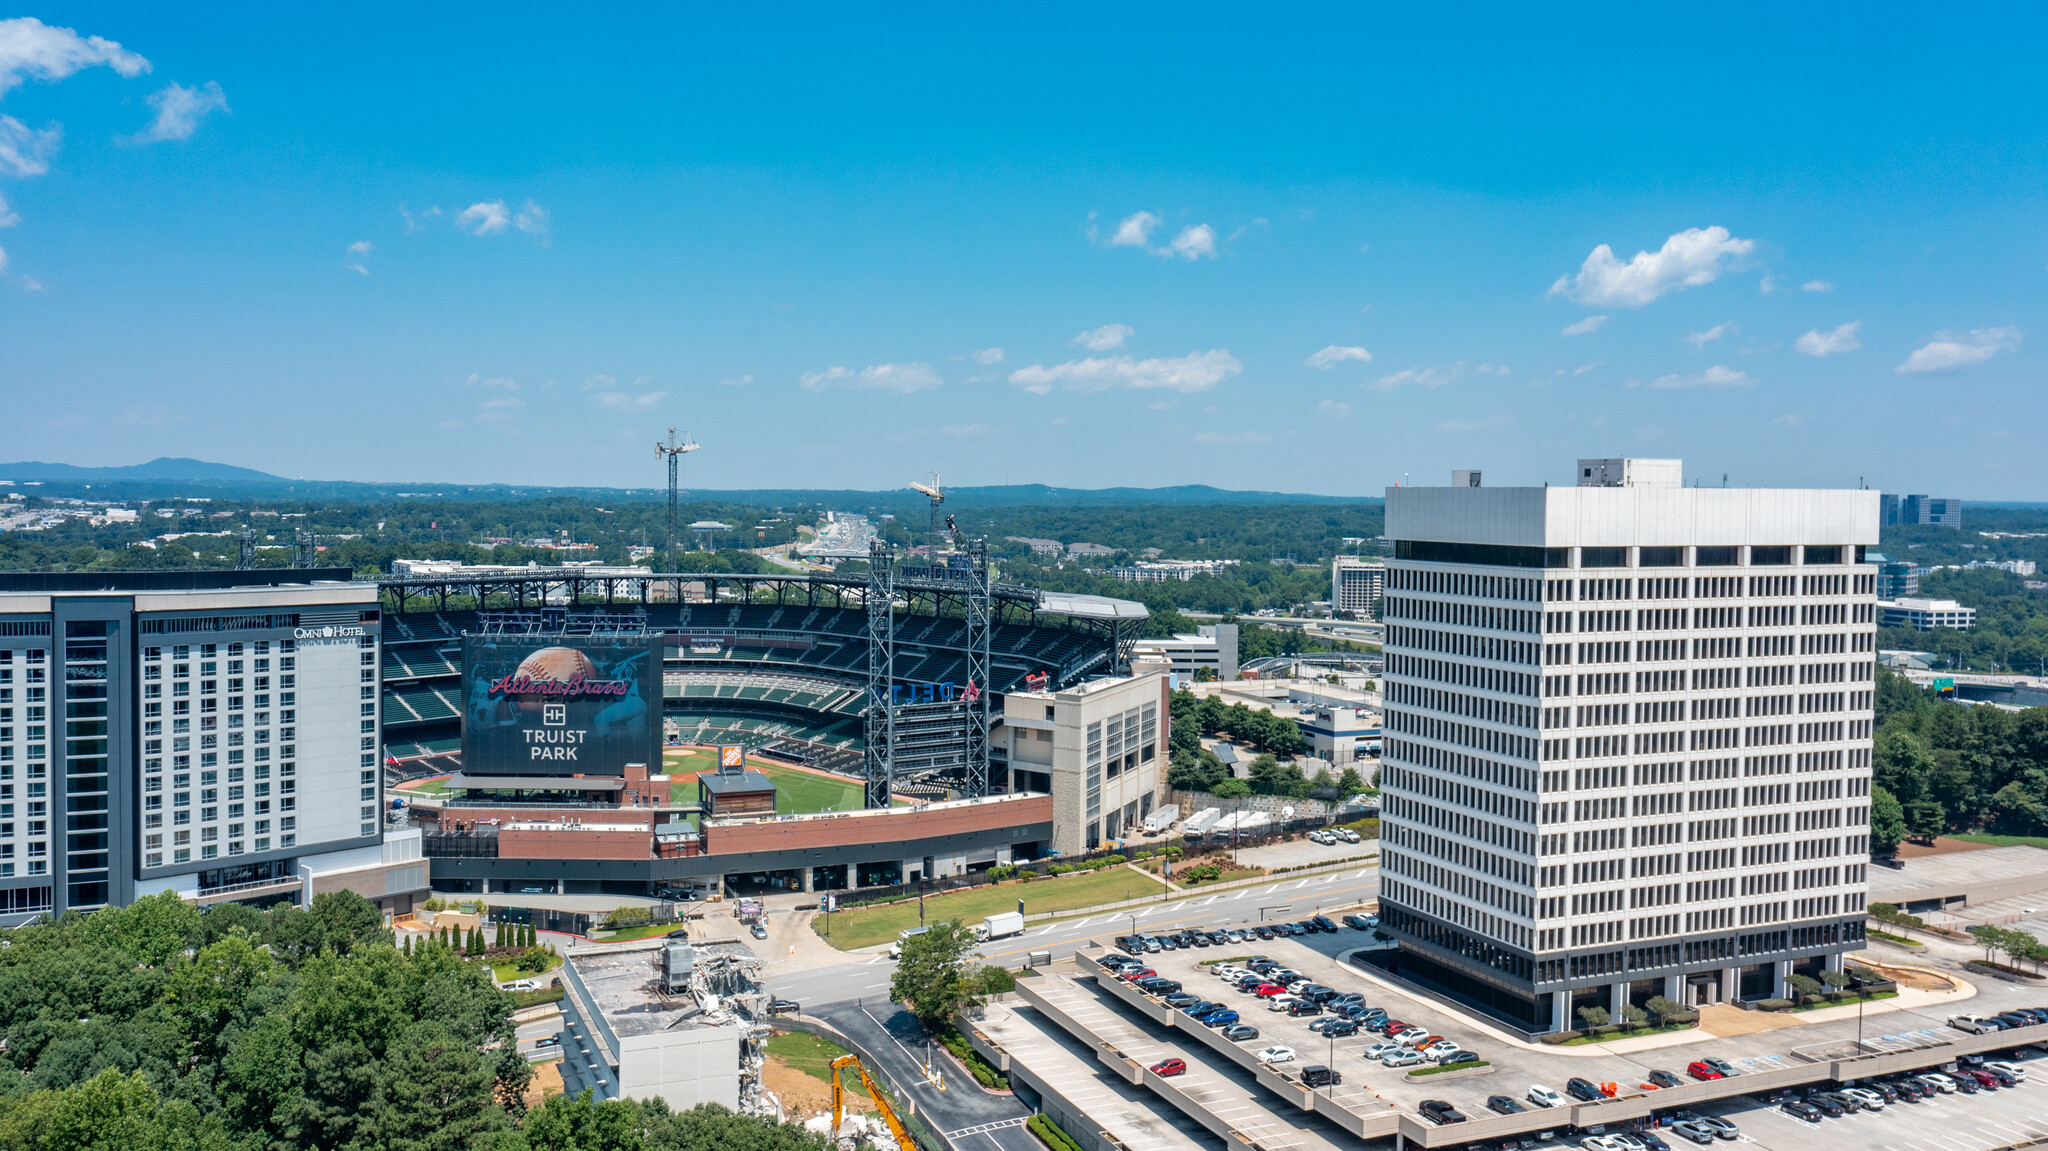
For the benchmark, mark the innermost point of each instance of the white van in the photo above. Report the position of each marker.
(896, 948)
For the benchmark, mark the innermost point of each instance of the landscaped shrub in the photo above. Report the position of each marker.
(1774, 1004)
(535, 959)
(1559, 1037)
(1049, 1133)
(996, 980)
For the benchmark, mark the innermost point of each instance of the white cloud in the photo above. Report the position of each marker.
(359, 249)
(1702, 339)
(986, 356)
(416, 223)
(1817, 343)
(597, 381)
(1193, 243)
(1816, 286)
(1232, 437)
(1136, 230)
(533, 220)
(1162, 405)
(1485, 425)
(179, 110)
(1494, 370)
(737, 381)
(1582, 369)
(1585, 327)
(30, 48)
(1714, 377)
(1104, 338)
(26, 151)
(8, 217)
(1336, 409)
(486, 218)
(1947, 352)
(1688, 259)
(1427, 377)
(3, 259)
(624, 402)
(1194, 372)
(902, 378)
(965, 429)
(1789, 421)
(498, 411)
(1336, 354)
(478, 379)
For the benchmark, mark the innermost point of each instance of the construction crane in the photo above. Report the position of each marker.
(902, 1137)
(937, 495)
(673, 451)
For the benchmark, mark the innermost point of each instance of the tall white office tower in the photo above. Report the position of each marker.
(1628, 737)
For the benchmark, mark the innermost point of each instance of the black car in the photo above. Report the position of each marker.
(1440, 1113)
(1666, 1079)
(1216, 938)
(1324, 922)
(2005, 1078)
(1199, 1007)
(1248, 982)
(1890, 1093)
(2013, 1019)
(1158, 985)
(1457, 1057)
(1339, 1028)
(1317, 1075)
(1800, 1109)
(1263, 931)
(1240, 1032)
(1504, 1104)
(1358, 923)
(1910, 1090)
(1129, 944)
(1319, 993)
(1848, 1103)
(1182, 999)
(1301, 1007)
(1261, 964)
(1304, 927)
(1832, 1108)
(784, 1007)
(1582, 1090)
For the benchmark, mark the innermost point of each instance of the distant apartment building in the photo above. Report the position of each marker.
(1356, 586)
(1922, 509)
(1160, 571)
(1628, 740)
(1925, 614)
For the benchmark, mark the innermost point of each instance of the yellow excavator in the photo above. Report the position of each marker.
(903, 1140)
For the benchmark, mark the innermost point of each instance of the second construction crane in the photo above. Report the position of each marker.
(937, 495)
(674, 451)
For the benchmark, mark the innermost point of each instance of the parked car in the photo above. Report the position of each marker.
(1324, 922)
(1504, 1105)
(1543, 1096)
(1182, 999)
(1701, 1069)
(1848, 1103)
(1800, 1109)
(2013, 1069)
(1911, 1090)
(1345, 834)
(1350, 997)
(1726, 1068)
(1166, 1067)
(1721, 1128)
(1357, 923)
(784, 1007)
(1939, 1082)
(1440, 1113)
(1134, 973)
(1402, 1059)
(1262, 932)
(1240, 1032)
(1301, 1007)
(1973, 1025)
(1984, 1079)
(1320, 837)
(1274, 1054)
(1868, 1099)
(1269, 990)
(1454, 1058)
(1437, 1047)
(1317, 1075)
(1383, 1047)
(1697, 1132)
(1223, 1018)
(1666, 1079)
(1831, 1108)
(1583, 1090)
(1201, 1007)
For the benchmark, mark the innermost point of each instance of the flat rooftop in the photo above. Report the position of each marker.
(1995, 872)
(625, 986)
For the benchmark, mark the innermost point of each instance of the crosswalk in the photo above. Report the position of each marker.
(985, 1128)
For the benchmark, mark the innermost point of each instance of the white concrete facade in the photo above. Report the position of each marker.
(1103, 745)
(1212, 649)
(1926, 614)
(1627, 732)
(1356, 585)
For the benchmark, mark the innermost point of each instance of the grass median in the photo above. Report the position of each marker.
(865, 926)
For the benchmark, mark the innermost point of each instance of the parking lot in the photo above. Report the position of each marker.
(2001, 1115)
(2005, 1118)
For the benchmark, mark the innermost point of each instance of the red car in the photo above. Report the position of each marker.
(1167, 1067)
(1701, 1071)
(1268, 990)
(1137, 973)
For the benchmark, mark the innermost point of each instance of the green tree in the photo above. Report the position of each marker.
(1802, 985)
(933, 977)
(1350, 782)
(1595, 1016)
(1635, 1016)
(1231, 789)
(110, 1112)
(1887, 821)
(1925, 819)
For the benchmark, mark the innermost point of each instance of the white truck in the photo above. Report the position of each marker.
(999, 925)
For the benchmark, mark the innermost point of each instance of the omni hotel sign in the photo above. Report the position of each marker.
(328, 632)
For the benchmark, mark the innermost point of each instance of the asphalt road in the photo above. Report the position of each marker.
(971, 1119)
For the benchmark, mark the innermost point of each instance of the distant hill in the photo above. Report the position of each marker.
(161, 468)
(165, 477)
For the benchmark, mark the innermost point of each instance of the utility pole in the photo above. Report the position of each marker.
(247, 559)
(673, 451)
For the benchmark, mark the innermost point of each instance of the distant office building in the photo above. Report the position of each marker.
(1213, 648)
(1100, 749)
(1925, 614)
(1895, 578)
(1922, 510)
(1356, 586)
(1160, 571)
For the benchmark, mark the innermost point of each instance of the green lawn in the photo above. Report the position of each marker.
(798, 792)
(865, 926)
(2040, 841)
(813, 1056)
(643, 931)
(508, 972)
(430, 787)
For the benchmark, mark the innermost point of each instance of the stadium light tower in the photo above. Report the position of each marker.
(674, 453)
(937, 495)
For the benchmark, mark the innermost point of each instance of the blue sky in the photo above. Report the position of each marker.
(1310, 249)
